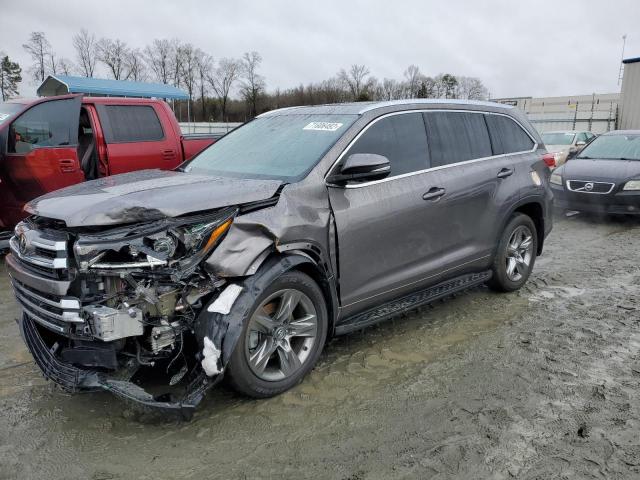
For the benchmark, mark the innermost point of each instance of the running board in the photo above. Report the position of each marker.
(412, 301)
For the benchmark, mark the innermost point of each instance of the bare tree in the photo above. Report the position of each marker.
(159, 58)
(253, 83)
(188, 68)
(114, 53)
(204, 64)
(357, 81)
(390, 89)
(471, 88)
(85, 46)
(136, 70)
(39, 48)
(64, 66)
(176, 62)
(224, 76)
(413, 78)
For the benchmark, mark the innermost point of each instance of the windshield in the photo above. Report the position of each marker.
(558, 138)
(281, 147)
(613, 147)
(8, 109)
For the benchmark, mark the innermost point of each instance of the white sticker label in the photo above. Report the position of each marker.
(4, 116)
(323, 126)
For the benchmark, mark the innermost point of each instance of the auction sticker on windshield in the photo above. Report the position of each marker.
(4, 116)
(323, 126)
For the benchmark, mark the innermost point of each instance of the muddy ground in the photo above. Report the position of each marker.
(543, 383)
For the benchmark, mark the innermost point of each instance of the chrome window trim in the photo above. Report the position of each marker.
(431, 169)
(613, 185)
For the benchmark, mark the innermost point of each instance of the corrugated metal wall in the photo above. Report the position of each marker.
(596, 113)
(630, 108)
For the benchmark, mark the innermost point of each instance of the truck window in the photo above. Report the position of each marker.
(456, 137)
(44, 125)
(130, 123)
(507, 136)
(400, 138)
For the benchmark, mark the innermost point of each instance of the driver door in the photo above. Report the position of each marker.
(41, 152)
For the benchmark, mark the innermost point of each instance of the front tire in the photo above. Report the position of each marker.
(282, 338)
(516, 254)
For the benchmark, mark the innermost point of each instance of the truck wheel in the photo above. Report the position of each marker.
(516, 254)
(282, 339)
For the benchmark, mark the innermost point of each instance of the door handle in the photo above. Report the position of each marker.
(169, 154)
(505, 172)
(67, 165)
(434, 193)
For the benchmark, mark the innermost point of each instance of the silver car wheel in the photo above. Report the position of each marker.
(281, 334)
(519, 253)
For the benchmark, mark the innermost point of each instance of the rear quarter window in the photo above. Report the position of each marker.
(130, 123)
(456, 137)
(507, 136)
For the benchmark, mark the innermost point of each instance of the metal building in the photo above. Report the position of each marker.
(630, 96)
(596, 113)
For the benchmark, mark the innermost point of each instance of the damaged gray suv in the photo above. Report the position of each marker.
(302, 224)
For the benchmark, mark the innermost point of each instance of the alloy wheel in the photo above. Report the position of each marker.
(519, 253)
(281, 334)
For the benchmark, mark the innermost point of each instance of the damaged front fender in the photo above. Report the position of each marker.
(218, 332)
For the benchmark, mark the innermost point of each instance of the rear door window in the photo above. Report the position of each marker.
(456, 137)
(49, 124)
(507, 136)
(401, 138)
(130, 123)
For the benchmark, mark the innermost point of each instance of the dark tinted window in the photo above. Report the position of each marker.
(400, 138)
(507, 136)
(130, 123)
(49, 124)
(456, 137)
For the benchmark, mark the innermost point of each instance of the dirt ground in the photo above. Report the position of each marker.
(542, 383)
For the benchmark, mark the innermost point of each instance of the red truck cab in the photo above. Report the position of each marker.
(53, 142)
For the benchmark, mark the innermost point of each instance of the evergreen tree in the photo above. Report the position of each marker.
(10, 77)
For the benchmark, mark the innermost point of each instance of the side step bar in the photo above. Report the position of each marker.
(412, 301)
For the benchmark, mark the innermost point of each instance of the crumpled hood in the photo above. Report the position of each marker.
(147, 195)
(601, 170)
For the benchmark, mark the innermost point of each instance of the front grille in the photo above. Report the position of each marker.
(586, 186)
(43, 254)
(53, 312)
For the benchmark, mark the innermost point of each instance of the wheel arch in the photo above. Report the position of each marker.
(534, 209)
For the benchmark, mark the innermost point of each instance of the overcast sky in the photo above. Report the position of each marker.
(517, 48)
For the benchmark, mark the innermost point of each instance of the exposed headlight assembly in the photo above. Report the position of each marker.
(556, 179)
(632, 185)
(154, 244)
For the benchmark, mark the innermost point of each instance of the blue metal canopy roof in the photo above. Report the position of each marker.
(62, 84)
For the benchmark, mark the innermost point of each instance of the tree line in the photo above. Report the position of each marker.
(224, 89)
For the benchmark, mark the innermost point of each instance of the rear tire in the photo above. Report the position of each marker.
(282, 338)
(516, 254)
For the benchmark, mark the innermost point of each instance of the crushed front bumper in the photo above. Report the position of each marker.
(73, 379)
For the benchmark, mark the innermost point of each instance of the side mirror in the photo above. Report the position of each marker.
(580, 143)
(361, 166)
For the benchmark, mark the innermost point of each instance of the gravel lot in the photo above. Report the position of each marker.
(542, 383)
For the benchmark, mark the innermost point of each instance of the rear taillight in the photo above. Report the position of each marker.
(549, 160)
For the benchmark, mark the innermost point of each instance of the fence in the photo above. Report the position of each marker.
(207, 127)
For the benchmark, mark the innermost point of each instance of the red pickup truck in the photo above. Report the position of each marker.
(54, 142)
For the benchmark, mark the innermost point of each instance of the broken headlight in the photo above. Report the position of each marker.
(153, 245)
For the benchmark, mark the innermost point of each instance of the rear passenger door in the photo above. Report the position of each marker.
(136, 140)
(478, 182)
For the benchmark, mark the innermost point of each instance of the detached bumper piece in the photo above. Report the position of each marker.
(73, 379)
